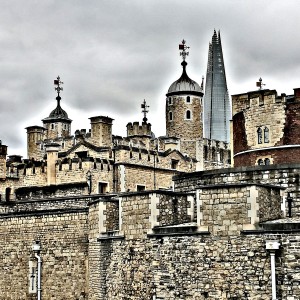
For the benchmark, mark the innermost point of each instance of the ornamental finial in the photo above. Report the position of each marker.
(145, 110)
(259, 83)
(58, 88)
(183, 47)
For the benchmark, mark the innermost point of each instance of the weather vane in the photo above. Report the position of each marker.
(144, 106)
(259, 83)
(58, 88)
(183, 47)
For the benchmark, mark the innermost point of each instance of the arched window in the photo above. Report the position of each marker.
(188, 99)
(266, 135)
(259, 135)
(267, 162)
(170, 116)
(188, 115)
(260, 162)
(52, 126)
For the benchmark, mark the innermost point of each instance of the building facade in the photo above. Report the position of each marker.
(266, 128)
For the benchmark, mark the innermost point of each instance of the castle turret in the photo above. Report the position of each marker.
(3, 153)
(184, 111)
(101, 131)
(35, 137)
(142, 132)
(184, 105)
(57, 124)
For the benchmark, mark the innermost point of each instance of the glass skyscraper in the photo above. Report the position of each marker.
(217, 109)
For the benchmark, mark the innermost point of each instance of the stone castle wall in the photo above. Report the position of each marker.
(63, 234)
(87, 254)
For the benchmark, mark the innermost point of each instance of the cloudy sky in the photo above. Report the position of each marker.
(112, 54)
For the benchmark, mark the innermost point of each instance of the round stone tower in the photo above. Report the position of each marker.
(184, 105)
(57, 124)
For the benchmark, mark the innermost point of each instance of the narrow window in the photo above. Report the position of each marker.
(188, 114)
(266, 135)
(267, 162)
(170, 101)
(52, 126)
(174, 164)
(102, 187)
(221, 155)
(259, 135)
(188, 99)
(213, 154)
(170, 116)
(205, 153)
(140, 188)
(7, 194)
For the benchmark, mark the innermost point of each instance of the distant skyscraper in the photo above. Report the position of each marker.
(217, 110)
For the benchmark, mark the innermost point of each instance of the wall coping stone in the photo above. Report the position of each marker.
(158, 235)
(164, 192)
(42, 212)
(274, 231)
(110, 237)
(232, 185)
(236, 170)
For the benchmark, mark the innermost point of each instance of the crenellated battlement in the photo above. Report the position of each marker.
(135, 129)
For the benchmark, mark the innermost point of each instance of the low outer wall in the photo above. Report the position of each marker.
(63, 235)
(201, 267)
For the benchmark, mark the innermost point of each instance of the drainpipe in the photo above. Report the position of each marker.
(272, 246)
(36, 247)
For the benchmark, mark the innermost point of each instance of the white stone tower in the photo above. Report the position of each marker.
(57, 124)
(184, 109)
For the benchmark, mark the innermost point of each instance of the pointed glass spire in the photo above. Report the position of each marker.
(217, 108)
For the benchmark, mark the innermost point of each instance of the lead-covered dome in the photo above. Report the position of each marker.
(185, 85)
(58, 112)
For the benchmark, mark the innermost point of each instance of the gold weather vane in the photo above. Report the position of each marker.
(58, 83)
(144, 106)
(183, 47)
(259, 83)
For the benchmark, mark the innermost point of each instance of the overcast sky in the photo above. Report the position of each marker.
(113, 54)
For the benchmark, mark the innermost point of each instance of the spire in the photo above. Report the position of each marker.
(144, 106)
(217, 112)
(214, 37)
(202, 83)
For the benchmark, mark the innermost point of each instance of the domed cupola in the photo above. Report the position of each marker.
(58, 123)
(185, 85)
(58, 112)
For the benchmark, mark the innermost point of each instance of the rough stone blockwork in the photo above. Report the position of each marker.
(64, 254)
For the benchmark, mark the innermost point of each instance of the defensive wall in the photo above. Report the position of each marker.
(206, 240)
